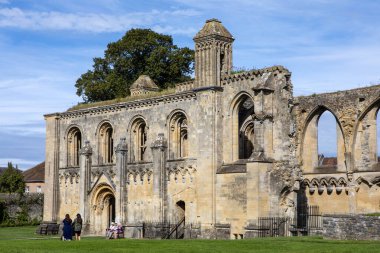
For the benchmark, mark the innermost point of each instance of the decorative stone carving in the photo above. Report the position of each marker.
(143, 171)
(122, 147)
(182, 171)
(160, 142)
(86, 150)
(69, 175)
(321, 183)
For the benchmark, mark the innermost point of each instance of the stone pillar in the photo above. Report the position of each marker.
(159, 151)
(85, 180)
(121, 195)
(51, 194)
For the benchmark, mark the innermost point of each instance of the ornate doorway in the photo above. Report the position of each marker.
(103, 208)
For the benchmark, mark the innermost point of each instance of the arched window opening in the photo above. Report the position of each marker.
(246, 128)
(106, 144)
(323, 143)
(327, 140)
(247, 145)
(178, 137)
(222, 62)
(74, 144)
(138, 140)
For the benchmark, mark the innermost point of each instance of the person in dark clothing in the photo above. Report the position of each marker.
(67, 228)
(77, 225)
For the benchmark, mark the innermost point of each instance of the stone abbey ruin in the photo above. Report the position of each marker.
(215, 156)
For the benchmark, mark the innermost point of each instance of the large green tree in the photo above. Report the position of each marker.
(12, 180)
(139, 51)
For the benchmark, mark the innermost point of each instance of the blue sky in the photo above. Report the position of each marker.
(46, 45)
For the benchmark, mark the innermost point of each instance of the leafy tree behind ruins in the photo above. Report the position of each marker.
(139, 51)
(12, 180)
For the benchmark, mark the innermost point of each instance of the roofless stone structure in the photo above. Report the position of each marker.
(220, 152)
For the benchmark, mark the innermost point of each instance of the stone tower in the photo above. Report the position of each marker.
(213, 53)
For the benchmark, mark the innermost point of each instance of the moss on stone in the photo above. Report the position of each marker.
(121, 100)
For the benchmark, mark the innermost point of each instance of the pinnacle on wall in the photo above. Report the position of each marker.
(143, 85)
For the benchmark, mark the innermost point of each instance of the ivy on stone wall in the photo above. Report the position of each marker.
(21, 209)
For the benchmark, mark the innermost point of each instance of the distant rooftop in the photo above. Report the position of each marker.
(35, 174)
(327, 161)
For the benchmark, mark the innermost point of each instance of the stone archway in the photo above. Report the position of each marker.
(103, 210)
(180, 210)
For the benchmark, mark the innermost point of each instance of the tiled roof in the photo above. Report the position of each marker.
(329, 161)
(35, 174)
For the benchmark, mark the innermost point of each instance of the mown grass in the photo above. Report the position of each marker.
(122, 100)
(19, 233)
(372, 214)
(21, 242)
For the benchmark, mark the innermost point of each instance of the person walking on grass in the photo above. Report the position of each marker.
(67, 229)
(77, 225)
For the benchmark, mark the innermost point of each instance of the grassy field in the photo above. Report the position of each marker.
(23, 239)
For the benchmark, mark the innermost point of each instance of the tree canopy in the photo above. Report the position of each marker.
(12, 180)
(139, 51)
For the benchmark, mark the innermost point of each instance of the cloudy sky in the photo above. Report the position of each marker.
(45, 45)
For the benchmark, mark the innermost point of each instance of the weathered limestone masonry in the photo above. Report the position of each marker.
(221, 151)
(352, 186)
(349, 227)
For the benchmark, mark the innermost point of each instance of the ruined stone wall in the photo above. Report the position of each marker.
(348, 107)
(180, 175)
(351, 186)
(351, 227)
(232, 201)
(271, 92)
(68, 202)
(140, 196)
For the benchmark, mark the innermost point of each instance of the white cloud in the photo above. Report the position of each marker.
(89, 22)
(24, 129)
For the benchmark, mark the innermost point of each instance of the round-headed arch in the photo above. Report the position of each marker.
(74, 141)
(177, 123)
(138, 138)
(105, 132)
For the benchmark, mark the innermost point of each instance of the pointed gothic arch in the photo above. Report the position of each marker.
(309, 148)
(242, 128)
(365, 146)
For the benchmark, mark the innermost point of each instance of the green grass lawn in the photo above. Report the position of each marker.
(23, 239)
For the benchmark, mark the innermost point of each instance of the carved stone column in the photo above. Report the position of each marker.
(159, 151)
(85, 180)
(263, 121)
(121, 167)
